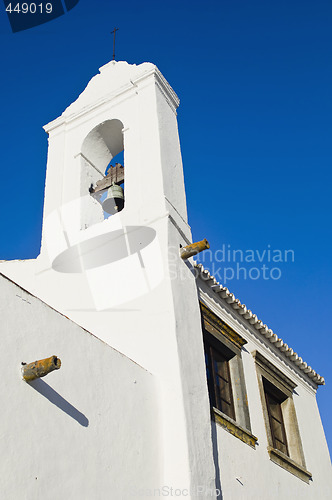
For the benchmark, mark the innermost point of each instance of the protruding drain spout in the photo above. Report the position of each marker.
(193, 249)
(40, 368)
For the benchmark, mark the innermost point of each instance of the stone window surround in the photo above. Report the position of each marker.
(295, 463)
(226, 336)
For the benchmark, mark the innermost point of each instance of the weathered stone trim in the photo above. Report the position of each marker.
(296, 461)
(233, 428)
(288, 464)
(212, 323)
(273, 374)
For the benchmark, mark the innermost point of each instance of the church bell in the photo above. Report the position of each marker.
(114, 201)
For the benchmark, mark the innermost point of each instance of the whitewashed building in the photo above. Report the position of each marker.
(169, 386)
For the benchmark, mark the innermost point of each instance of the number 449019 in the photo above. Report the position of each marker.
(31, 8)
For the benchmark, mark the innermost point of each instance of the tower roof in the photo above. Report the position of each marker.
(113, 79)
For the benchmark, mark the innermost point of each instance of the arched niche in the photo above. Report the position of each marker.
(99, 147)
(103, 143)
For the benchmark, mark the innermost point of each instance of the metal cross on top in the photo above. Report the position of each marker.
(113, 32)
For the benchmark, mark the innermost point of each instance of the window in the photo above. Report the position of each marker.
(274, 398)
(284, 441)
(219, 380)
(225, 376)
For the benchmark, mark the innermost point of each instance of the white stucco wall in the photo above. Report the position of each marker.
(247, 473)
(113, 278)
(89, 430)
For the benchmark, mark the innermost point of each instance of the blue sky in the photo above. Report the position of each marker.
(254, 80)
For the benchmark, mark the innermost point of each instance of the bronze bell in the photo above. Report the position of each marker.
(114, 202)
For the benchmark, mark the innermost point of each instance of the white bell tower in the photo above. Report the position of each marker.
(130, 108)
(121, 277)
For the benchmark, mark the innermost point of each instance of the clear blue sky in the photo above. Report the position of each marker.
(254, 79)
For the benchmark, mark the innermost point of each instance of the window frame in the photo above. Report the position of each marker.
(225, 341)
(271, 379)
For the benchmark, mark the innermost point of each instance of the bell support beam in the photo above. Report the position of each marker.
(115, 176)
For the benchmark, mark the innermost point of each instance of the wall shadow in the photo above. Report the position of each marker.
(216, 458)
(55, 398)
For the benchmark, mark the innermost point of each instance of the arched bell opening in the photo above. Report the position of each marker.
(102, 186)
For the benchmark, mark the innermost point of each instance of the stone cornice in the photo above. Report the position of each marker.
(212, 321)
(274, 372)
